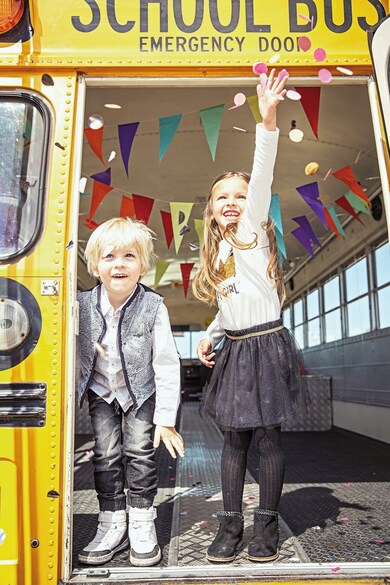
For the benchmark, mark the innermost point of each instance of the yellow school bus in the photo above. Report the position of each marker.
(50, 53)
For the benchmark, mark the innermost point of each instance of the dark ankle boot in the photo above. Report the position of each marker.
(228, 542)
(263, 546)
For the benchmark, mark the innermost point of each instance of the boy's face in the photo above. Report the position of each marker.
(119, 271)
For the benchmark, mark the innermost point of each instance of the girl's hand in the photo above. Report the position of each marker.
(270, 92)
(171, 439)
(204, 355)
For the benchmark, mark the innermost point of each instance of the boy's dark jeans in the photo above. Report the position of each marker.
(118, 435)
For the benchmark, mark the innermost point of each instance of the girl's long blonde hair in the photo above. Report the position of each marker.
(206, 283)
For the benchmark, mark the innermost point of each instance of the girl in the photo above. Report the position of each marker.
(255, 386)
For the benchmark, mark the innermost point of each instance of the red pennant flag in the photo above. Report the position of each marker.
(310, 100)
(95, 140)
(331, 223)
(186, 268)
(99, 191)
(344, 203)
(167, 224)
(89, 223)
(127, 207)
(347, 176)
(143, 207)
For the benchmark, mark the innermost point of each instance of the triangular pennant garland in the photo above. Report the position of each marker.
(143, 207)
(253, 103)
(310, 194)
(199, 228)
(305, 234)
(167, 225)
(211, 121)
(336, 221)
(161, 268)
(186, 268)
(103, 177)
(357, 202)
(345, 204)
(180, 213)
(99, 191)
(310, 100)
(126, 133)
(346, 175)
(127, 207)
(95, 140)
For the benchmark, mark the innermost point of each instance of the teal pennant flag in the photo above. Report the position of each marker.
(168, 127)
(211, 121)
(357, 202)
(276, 216)
(336, 221)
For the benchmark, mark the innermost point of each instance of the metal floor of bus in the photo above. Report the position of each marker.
(334, 511)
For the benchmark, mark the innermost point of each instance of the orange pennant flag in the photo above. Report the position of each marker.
(95, 141)
(346, 175)
(127, 207)
(331, 223)
(99, 191)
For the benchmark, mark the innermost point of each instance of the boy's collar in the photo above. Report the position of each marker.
(105, 304)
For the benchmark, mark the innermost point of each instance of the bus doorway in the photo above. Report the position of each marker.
(333, 509)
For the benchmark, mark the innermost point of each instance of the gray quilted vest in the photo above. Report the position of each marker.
(135, 329)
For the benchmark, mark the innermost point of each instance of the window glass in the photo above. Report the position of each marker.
(22, 155)
(287, 317)
(332, 325)
(313, 304)
(183, 344)
(196, 336)
(298, 312)
(358, 317)
(332, 294)
(298, 334)
(313, 332)
(384, 307)
(356, 279)
(382, 264)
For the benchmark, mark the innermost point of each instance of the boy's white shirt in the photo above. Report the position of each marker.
(108, 380)
(252, 298)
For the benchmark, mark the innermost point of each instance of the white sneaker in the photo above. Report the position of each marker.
(111, 537)
(144, 549)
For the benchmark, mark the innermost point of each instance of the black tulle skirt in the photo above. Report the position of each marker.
(256, 381)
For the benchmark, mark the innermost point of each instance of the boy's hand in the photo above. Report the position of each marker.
(270, 92)
(204, 355)
(171, 439)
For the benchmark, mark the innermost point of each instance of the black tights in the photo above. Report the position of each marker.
(233, 467)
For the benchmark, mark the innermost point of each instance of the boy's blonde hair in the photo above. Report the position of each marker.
(116, 234)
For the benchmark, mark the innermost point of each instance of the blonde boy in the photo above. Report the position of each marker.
(129, 373)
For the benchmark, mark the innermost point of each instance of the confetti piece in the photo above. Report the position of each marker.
(2, 536)
(304, 43)
(240, 129)
(358, 156)
(172, 478)
(112, 156)
(82, 184)
(316, 527)
(307, 18)
(70, 245)
(239, 100)
(344, 519)
(193, 247)
(335, 569)
(345, 484)
(58, 145)
(100, 350)
(183, 513)
(275, 58)
(95, 122)
(47, 79)
(293, 95)
(282, 74)
(202, 523)
(259, 68)
(327, 174)
(184, 230)
(320, 55)
(296, 135)
(378, 541)
(344, 70)
(250, 499)
(325, 75)
(312, 168)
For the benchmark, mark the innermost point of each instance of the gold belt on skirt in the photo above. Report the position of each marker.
(255, 334)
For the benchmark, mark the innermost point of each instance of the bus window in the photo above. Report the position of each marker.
(23, 146)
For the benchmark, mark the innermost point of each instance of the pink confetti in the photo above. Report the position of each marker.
(335, 569)
(293, 95)
(201, 523)
(304, 43)
(344, 70)
(378, 541)
(320, 55)
(344, 519)
(345, 484)
(239, 100)
(240, 129)
(307, 18)
(172, 478)
(325, 75)
(250, 499)
(358, 156)
(326, 176)
(259, 68)
(282, 74)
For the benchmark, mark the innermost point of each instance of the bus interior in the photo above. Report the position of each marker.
(334, 509)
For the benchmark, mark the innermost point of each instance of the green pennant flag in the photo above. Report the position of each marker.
(211, 121)
(161, 268)
(168, 127)
(253, 102)
(357, 202)
(336, 221)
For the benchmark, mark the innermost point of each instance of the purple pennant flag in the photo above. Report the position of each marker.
(310, 194)
(103, 177)
(304, 234)
(126, 133)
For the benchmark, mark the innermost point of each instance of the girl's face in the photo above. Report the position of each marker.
(119, 271)
(228, 201)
